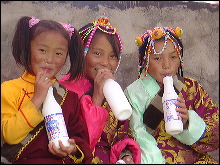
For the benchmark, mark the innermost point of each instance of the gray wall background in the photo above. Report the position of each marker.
(199, 21)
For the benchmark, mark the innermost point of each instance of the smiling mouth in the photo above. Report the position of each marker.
(47, 70)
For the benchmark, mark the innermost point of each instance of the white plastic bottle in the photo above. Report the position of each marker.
(117, 99)
(54, 120)
(173, 122)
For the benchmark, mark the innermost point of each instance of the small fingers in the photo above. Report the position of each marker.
(56, 151)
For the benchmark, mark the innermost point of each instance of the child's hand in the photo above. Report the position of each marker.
(41, 85)
(63, 151)
(102, 75)
(183, 111)
(128, 160)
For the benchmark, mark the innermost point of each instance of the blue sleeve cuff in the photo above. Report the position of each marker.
(195, 129)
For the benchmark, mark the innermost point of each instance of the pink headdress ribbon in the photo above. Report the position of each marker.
(33, 21)
(68, 28)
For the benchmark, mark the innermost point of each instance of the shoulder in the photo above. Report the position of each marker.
(70, 102)
(10, 82)
(71, 97)
(11, 90)
(144, 84)
(10, 85)
(79, 86)
(191, 82)
(64, 92)
(134, 84)
(192, 86)
(72, 94)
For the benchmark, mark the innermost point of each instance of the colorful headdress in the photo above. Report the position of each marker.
(146, 44)
(33, 21)
(103, 25)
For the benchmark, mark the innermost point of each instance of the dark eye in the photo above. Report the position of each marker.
(97, 53)
(59, 54)
(173, 57)
(157, 58)
(114, 56)
(42, 50)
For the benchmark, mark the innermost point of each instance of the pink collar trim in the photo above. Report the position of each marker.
(80, 87)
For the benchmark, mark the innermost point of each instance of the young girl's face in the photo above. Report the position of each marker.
(48, 53)
(163, 64)
(100, 56)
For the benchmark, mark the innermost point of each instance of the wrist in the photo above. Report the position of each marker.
(74, 152)
(97, 101)
(185, 126)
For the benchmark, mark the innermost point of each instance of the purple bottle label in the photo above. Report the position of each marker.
(55, 126)
(170, 112)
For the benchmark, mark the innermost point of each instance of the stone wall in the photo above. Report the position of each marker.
(199, 21)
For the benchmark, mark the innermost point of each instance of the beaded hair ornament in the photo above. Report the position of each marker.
(147, 40)
(103, 25)
(33, 21)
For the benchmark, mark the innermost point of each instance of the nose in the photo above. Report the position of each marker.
(166, 63)
(104, 61)
(49, 58)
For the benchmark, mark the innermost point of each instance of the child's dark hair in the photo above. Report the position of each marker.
(113, 39)
(24, 34)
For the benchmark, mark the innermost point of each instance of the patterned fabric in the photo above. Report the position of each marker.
(201, 109)
(105, 131)
(34, 147)
(114, 132)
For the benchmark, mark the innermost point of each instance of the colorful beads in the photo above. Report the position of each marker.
(103, 25)
(164, 45)
(119, 39)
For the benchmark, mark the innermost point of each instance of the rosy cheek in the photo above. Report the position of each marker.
(60, 64)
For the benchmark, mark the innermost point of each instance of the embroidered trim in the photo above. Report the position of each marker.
(77, 160)
(27, 81)
(20, 151)
(104, 105)
(25, 93)
(64, 97)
